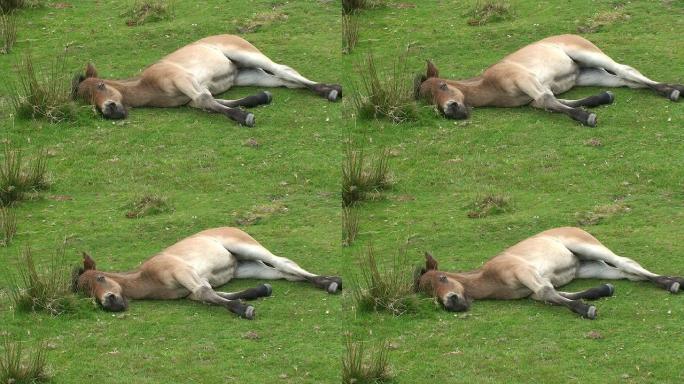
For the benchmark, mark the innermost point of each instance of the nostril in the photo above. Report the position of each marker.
(110, 105)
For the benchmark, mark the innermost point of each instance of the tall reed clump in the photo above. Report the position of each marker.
(19, 178)
(385, 95)
(363, 176)
(48, 290)
(361, 366)
(44, 94)
(8, 225)
(350, 32)
(350, 225)
(8, 31)
(389, 288)
(15, 368)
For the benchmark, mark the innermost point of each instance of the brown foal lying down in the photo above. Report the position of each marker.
(535, 267)
(193, 75)
(193, 267)
(534, 75)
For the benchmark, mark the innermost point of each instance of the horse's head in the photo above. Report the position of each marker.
(96, 91)
(105, 290)
(441, 285)
(448, 98)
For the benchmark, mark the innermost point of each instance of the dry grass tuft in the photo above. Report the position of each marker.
(261, 20)
(385, 95)
(489, 205)
(389, 289)
(149, 205)
(360, 366)
(603, 19)
(490, 11)
(143, 11)
(602, 212)
(15, 368)
(259, 213)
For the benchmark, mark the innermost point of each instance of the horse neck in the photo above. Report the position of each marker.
(133, 91)
(476, 91)
(132, 283)
(475, 284)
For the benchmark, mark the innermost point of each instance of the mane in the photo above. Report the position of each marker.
(418, 79)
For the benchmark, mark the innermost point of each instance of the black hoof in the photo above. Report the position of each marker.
(610, 96)
(268, 290)
(591, 120)
(332, 96)
(674, 95)
(610, 288)
(249, 313)
(591, 313)
(249, 120)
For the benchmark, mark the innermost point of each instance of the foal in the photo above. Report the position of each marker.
(535, 267)
(193, 75)
(192, 267)
(534, 75)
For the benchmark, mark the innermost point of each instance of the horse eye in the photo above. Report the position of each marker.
(443, 86)
(443, 278)
(101, 86)
(100, 279)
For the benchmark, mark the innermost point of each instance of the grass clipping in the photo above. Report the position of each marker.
(385, 95)
(388, 289)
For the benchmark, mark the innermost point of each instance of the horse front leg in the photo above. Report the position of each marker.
(543, 98)
(261, 98)
(201, 290)
(543, 290)
(201, 98)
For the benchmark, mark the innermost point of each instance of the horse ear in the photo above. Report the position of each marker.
(88, 262)
(90, 71)
(432, 71)
(430, 262)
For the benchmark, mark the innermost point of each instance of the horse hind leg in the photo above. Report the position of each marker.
(254, 60)
(626, 267)
(285, 266)
(627, 73)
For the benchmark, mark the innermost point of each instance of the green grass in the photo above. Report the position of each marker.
(553, 171)
(16, 368)
(201, 164)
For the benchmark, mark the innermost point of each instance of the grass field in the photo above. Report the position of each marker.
(204, 166)
(624, 179)
(552, 172)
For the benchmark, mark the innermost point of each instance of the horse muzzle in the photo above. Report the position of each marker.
(114, 303)
(455, 110)
(456, 303)
(114, 111)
